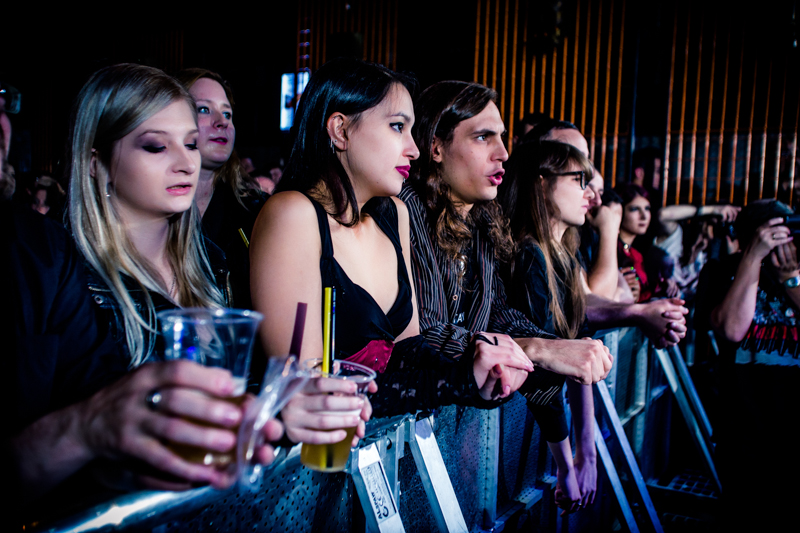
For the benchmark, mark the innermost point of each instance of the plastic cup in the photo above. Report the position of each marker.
(211, 337)
(333, 457)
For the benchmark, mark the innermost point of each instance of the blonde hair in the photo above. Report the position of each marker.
(114, 102)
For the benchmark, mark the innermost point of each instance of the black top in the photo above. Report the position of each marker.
(222, 220)
(417, 376)
(56, 351)
(359, 318)
(531, 295)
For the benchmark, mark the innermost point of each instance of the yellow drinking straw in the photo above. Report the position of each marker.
(328, 332)
(327, 307)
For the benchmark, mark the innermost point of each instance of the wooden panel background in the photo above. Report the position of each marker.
(577, 73)
(730, 109)
(733, 112)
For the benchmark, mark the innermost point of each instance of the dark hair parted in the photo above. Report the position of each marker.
(543, 129)
(756, 214)
(629, 191)
(525, 196)
(347, 86)
(439, 110)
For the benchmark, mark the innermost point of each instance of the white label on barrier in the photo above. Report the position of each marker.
(378, 489)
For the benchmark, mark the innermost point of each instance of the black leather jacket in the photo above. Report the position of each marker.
(111, 311)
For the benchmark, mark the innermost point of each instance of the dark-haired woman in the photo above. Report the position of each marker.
(228, 199)
(333, 223)
(547, 198)
(635, 221)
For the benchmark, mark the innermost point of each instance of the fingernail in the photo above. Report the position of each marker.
(232, 415)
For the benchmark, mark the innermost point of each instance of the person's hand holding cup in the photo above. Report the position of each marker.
(327, 416)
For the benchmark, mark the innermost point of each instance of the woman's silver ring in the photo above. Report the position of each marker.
(774, 235)
(153, 399)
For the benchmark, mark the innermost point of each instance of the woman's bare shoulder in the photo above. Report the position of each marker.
(289, 216)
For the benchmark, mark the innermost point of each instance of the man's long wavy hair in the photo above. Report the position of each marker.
(439, 110)
(525, 195)
(113, 103)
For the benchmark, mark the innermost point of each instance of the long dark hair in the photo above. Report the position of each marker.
(346, 86)
(439, 109)
(525, 196)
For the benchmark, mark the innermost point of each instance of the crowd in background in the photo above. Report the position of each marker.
(464, 274)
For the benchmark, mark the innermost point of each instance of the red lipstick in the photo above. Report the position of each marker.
(404, 171)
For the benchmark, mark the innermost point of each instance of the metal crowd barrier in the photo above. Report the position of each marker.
(498, 472)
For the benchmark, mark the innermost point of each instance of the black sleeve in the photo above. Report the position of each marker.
(419, 378)
(59, 352)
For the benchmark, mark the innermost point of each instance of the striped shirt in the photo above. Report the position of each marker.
(439, 292)
(439, 298)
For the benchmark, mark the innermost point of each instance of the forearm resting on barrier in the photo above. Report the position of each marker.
(586, 360)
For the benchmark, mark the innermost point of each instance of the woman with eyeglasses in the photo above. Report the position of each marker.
(545, 195)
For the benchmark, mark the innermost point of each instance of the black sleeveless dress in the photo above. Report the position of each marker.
(417, 376)
(359, 318)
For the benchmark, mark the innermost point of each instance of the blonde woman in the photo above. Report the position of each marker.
(134, 167)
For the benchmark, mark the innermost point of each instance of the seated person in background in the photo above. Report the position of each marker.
(753, 301)
(133, 173)
(228, 199)
(458, 234)
(333, 222)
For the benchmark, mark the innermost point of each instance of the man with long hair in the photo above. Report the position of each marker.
(458, 236)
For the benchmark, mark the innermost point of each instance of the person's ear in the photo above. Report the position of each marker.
(336, 126)
(437, 150)
(93, 164)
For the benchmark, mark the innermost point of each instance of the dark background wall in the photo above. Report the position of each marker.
(629, 74)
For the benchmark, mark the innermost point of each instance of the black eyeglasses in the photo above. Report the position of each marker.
(580, 173)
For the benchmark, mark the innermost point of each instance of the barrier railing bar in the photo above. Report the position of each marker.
(374, 491)
(691, 391)
(610, 412)
(613, 478)
(492, 469)
(435, 479)
(701, 439)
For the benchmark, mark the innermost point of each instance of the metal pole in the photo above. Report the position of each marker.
(693, 152)
(736, 127)
(722, 122)
(708, 118)
(596, 80)
(668, 137)
(683, 112)
(763, 155)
